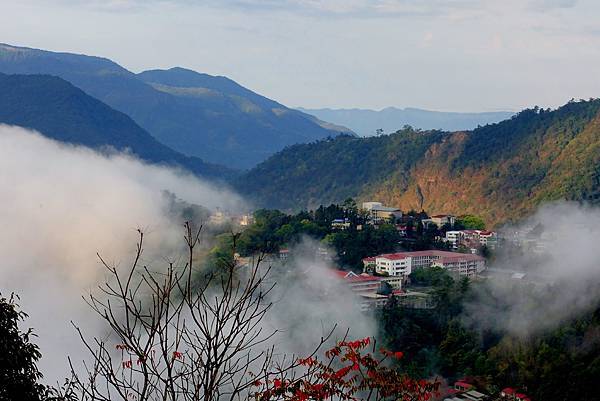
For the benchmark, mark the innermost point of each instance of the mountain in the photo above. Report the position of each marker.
(366, 122)
(65, 113)
(210, 117)
(500, 171)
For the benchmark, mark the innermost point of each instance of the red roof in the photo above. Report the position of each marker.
(432, 252)
(521, 396)
(509, 390)
(353, 277)
(463, 384)
(461, 257)
(369, 259)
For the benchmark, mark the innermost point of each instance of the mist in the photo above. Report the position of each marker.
(62, 204)
(311, 302)
(553, 276)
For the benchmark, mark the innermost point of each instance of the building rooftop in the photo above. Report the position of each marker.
(446, 255)
(353, 277)
(384, 209)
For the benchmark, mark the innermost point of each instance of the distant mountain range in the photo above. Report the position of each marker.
(501, 171)
(367, 122)
(200, 115)
(65, 113)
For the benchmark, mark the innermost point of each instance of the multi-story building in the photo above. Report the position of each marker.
(403, 263)
(471, 238)
(369, 287)
(340, 224)
(380, 214)
(440, 220)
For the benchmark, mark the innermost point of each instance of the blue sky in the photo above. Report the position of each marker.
(459, 55)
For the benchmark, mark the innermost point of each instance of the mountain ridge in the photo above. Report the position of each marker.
(501, 171)
(230, 129)
(366, 121)
(61, 111)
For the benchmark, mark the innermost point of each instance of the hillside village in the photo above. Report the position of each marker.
(416, 250)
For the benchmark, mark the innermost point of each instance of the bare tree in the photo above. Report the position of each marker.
(174, 339)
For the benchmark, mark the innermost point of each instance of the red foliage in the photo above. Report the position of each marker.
(348, 374)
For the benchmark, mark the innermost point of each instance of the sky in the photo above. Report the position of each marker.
(451, 55)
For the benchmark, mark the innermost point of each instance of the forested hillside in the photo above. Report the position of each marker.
(201, 115)
(500, 171)
(63, 112)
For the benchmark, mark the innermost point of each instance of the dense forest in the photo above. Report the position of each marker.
(557, 363)
(500, 171)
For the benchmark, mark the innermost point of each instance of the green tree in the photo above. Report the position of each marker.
(19, 374)
(470, 222)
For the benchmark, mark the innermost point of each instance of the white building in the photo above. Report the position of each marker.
(379, 213)
(440, 220)
(403, 263)
(472, 238)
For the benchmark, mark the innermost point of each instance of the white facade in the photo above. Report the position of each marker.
(393, 266)
(403, 263)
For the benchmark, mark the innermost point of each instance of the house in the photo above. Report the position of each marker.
(366, 282)
(454, 238)
(340, 224)
(440, 220)
(368, 288)
(508, 393)
(403, 263)
(360, 282)
(369, 265)
(463, 391)
(462, 386)
(245, 220)
(218, 217)
(488, 238)
(511, 394)
(472, 239)
(373, 300)
(402, 229)
(462, 265)
(284, 254)
(378, 213)
(394, 264)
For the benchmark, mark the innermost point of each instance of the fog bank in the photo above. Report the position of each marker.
(547, 271)
(60, 205)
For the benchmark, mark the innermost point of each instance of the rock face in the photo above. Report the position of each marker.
(500, 172)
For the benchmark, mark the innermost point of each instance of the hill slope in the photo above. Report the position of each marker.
(196, 114)
(63, 112)
(366, 122)
(500, 171)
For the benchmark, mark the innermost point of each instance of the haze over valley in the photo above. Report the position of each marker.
(175, 227)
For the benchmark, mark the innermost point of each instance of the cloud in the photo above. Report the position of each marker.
(546, 5)
(562, 273)
(60, 205)
(325, 8)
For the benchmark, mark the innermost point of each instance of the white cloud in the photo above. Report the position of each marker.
(60, 205)
(342, 53)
